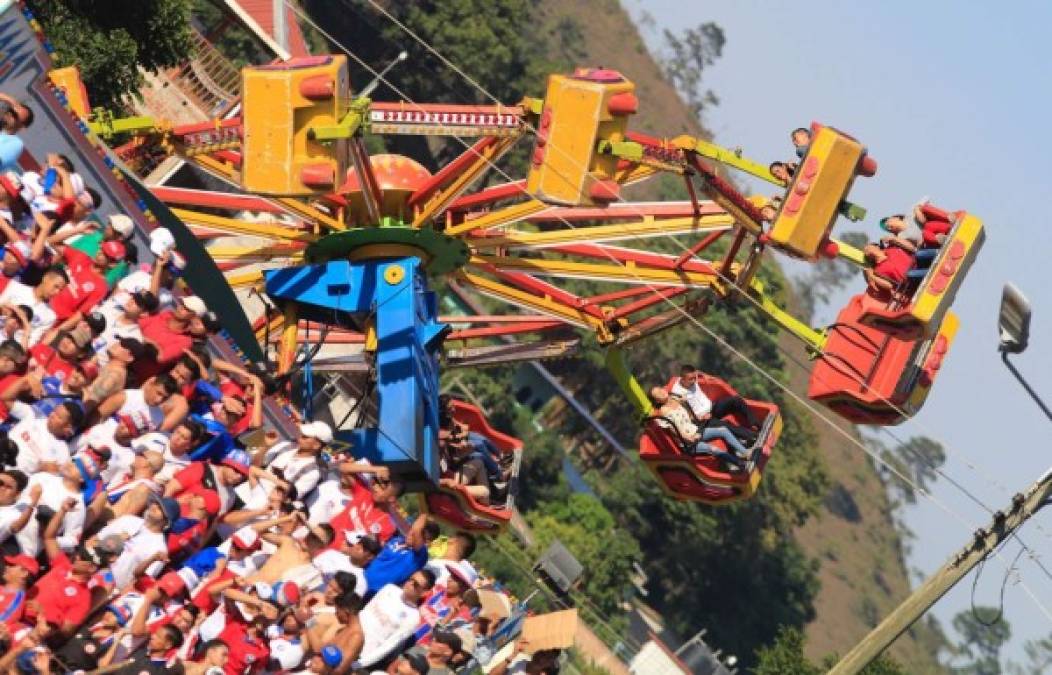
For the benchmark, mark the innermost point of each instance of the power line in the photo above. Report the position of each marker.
(851, 439)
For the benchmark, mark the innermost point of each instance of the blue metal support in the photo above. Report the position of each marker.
(395, 293)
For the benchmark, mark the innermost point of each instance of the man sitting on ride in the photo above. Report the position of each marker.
(709, 413)
(672, 414)
(889, 266)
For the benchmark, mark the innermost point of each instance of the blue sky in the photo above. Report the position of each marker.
(953, 100)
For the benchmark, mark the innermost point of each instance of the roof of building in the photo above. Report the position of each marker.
(258, 15)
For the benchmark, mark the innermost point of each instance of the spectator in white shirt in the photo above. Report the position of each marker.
(391, 617)
(17, 508)
(37, 299)
(65, 491)
(145, 549)
(43, 442)
(355, 552)
(298, 464)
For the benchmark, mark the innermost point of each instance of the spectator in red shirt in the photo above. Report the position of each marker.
(87, 279)
(63, 595)
(171, 333)
(245, 636)
(59, 360)
(18, 570)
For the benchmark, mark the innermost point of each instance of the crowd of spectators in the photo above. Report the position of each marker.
(140, 532)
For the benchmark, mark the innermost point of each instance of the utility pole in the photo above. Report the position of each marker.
(1014, 324)
(983, 543)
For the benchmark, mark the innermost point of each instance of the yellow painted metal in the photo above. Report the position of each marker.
(850, 253)
(648, 227)
(226, 172)
(243, 279)
(68, 80)
(566, 163)
(519, 298)
(813, 338)
(945, 335)
(393, 274)
(371, 341)
(357, 117)
(275, 324)
(289, 339)
(821, 182)
(629, 274)
(504, 216)
(722, 155)
(107, 126)
(630, 387)
(233, 225)
(482, 162)
(936, 293)
(227, 253)
(280, 105)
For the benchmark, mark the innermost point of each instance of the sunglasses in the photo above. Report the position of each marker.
(10, 485)
(382, 482)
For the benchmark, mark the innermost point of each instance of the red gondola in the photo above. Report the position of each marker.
(872, 377)
(455, 506)
(703, 478)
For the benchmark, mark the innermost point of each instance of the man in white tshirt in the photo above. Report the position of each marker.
(17, 508)
(37, 299)
(116, 435)
(67, 487)
(145, 548)
(156, 400)
(43, 441)
(392, 616)
(711, 413)
(122, 322)
(355, 552)
(298, 464)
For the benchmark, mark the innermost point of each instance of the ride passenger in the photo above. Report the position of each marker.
(709, 413)
(801, 138)
(697, 440)
(889, 268)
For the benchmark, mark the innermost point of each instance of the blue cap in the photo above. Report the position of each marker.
(331, 655)
(171, 510)
(25, 662)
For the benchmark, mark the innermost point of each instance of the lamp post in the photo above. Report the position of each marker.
(1014, 323)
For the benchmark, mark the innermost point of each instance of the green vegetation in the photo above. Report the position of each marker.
(786, 657)
(110, 44)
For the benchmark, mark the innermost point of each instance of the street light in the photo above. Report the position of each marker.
(1014, 322)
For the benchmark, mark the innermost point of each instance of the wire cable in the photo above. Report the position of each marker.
(851, 439)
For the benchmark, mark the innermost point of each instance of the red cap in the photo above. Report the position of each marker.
(172, 584)
(23, 561)
(114, 250)
(246, 539)
(212, 502)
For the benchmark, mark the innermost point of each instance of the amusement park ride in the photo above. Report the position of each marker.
(356, 243)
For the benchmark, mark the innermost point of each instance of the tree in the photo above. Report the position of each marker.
(587, 529)
(919, 460)
(983, 632)
(689, 54)
(785, 656)
(109, 43)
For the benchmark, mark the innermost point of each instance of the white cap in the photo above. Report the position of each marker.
(122, 224)
(318, 430)
(194, 304)
(464, 571)
(154, 441)
(246, 538)
(161, 240)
